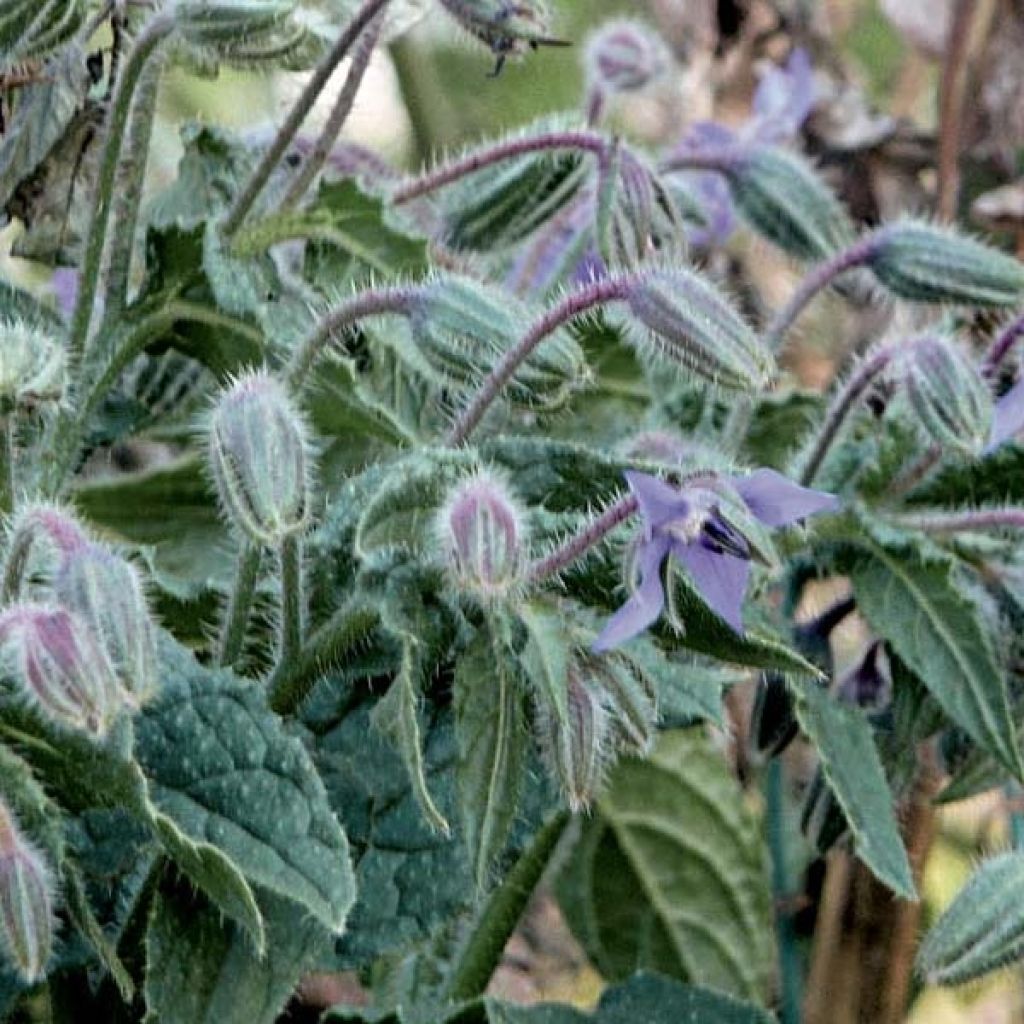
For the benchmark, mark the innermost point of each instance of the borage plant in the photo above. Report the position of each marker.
(483, 496)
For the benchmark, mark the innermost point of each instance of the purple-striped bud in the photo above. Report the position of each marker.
(107, 594)
(947, 393)
(26, 900)
(59, 667)
(40, 538)
(682, 317)
(927, 263)
(482, 532)
(259, 459)
(625, 56)
(576, 751)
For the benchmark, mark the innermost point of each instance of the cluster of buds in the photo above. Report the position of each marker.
(482, 533)
(26, 900)
(83, 646)
(259, 459)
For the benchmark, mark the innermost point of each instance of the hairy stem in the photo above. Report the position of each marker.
(155, 32)
(913, 474)
(500, 915)
(841, 407)
(952, 92)
(579, 544)
(438, 177)
(293, 603)
(339, 115)
(301, 108)
(325, 648)
(7, 455)
(1000, 349)
(239, 606)
(961, 522)
(817, 280)
(369, 303)
(609, 289)
(129, 191)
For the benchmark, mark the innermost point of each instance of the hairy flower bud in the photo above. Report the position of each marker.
(682, 317)
(625, 56)
(782, 198)
(39, 539)
(576, 751)
(31, 366)
(482, 532)
(26, 900)
(59, 667)
(928, 263)
(982, 929)
(505, 27)
(946, 392)
(259, 460)
(773, 724)
(107, 594)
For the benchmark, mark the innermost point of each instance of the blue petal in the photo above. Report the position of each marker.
(646, 604)
(1008, 416)
(777, 501)
(660, 504)
(721, 580)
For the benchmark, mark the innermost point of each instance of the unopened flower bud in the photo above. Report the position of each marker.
(505, 27)
(682, 317)
(482, 531)
(576, 751)
(946, 392)
(773, 724)
(625, 56)
(26, 900)
(59, 667)
(40, 537)
(783, 199)
(31, 366)
(927, 263)
(106, 593)
(259, 459)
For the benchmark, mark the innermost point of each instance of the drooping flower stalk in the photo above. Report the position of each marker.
(315, 161)
(845, 401)
(155, 32)
(572, 306)
(510, 149)
(300, 109)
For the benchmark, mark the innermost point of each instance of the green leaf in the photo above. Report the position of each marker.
(669, 873)
(925, 613)
(245, 786)
(201, 970)
(490, 723)
(846, 748)
(545, 658)
(396, 716)
(779, 424)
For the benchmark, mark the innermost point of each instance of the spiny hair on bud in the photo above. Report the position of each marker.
(260, 457)
(679, 316)
(922, 261)
(483, 534)
(27, 896)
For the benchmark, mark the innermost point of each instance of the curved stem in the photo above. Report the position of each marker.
(582, 542)
(151, 37)
(339, 115)
(721, 159)
(482, 952)
(438, 177)
(301, 108)
(293, 604)
(960, 522)
(609, 289)
(129, 191)
(344, 630)
(818, 279)
(370, 303)
(239, 606)
(844, 402)
(1000, 349)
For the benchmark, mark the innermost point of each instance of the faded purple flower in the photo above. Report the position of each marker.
(64, 284)
(1007, 416)
(689, 525)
